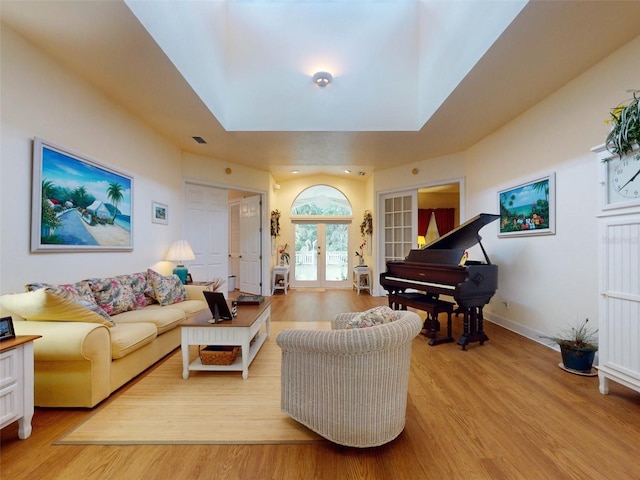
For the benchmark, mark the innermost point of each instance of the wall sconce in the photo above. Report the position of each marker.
(179, 252)
(322, 79)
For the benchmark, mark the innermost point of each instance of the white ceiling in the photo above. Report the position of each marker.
(408, 85)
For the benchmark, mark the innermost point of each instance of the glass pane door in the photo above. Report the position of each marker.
(321, 255)
(306, 253)
(399, 231)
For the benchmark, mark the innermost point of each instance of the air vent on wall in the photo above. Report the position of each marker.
(199, 140)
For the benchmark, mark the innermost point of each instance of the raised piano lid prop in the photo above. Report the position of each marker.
(435, 270)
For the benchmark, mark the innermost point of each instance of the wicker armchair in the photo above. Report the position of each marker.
(349, 386)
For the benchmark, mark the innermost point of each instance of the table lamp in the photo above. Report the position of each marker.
(179, 252)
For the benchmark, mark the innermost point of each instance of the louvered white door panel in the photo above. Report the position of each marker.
(619, 323)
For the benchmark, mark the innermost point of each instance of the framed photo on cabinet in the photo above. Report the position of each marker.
(6, 328)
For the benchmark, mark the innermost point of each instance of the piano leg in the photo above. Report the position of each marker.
(482, 337)
(473, 325)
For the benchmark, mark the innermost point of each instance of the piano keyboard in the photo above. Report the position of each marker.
(406, 281)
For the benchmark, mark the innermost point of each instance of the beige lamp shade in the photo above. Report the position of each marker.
(180, 251)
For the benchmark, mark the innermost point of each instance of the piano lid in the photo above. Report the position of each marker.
(466, 235)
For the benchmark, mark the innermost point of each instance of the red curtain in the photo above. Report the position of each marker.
(445, 218)
(424, 214)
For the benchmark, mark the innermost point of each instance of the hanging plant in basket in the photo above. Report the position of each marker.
(275, 223)
(366, 227)
(625, 126)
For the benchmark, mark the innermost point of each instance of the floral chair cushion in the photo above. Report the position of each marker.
(372, 317)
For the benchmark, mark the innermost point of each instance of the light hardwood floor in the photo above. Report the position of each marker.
(499, 411)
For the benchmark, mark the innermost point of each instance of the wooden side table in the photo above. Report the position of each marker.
(362, 279)
(280, 272)
(16, 383)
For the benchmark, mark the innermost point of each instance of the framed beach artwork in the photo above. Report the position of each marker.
(159, 213)
(78, 204)
(528, 208)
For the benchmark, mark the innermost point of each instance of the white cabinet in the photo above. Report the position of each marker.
(280, 279)
(619, 282)
(362, 279)
(16, 383)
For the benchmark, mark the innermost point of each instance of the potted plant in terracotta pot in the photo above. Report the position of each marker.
(578, 346)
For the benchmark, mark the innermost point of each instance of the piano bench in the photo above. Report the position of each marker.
(432, 306)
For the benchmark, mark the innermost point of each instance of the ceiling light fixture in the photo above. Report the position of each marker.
(322, 79)
(347, 171)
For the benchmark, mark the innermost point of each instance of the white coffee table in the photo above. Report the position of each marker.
(240, 331)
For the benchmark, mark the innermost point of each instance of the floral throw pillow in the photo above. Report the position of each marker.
(79, 293)
(372, 317)
(112, 296)
(138, 283)
(168, 289)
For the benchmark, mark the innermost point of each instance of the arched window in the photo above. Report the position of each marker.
(321, 200)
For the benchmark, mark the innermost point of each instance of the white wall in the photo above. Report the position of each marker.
(548, 281)
(40, 98)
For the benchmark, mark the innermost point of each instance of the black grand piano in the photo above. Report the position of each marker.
(435, 270)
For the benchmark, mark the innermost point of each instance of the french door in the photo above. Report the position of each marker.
(399, 231)
(321, 257)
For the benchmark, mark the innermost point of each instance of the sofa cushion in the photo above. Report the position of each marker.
(138, 283)
(372, 317)
(112, 296)
(46, 305)
(129, 337)
(164, 318)
(167, 289)
(79, 293)
(189, 307)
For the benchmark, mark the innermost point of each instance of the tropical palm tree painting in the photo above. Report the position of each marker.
(528, 209)
(81, 205)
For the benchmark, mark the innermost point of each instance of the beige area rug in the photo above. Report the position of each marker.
(207, 408)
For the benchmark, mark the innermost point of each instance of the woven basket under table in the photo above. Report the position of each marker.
(218, 354)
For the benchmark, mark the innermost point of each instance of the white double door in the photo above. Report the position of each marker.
(206, 228)
(321, 256)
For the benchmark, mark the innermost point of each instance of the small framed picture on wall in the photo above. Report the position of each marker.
(159, 213)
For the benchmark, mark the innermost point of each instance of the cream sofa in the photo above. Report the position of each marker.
(349, 385)
(84, 356)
